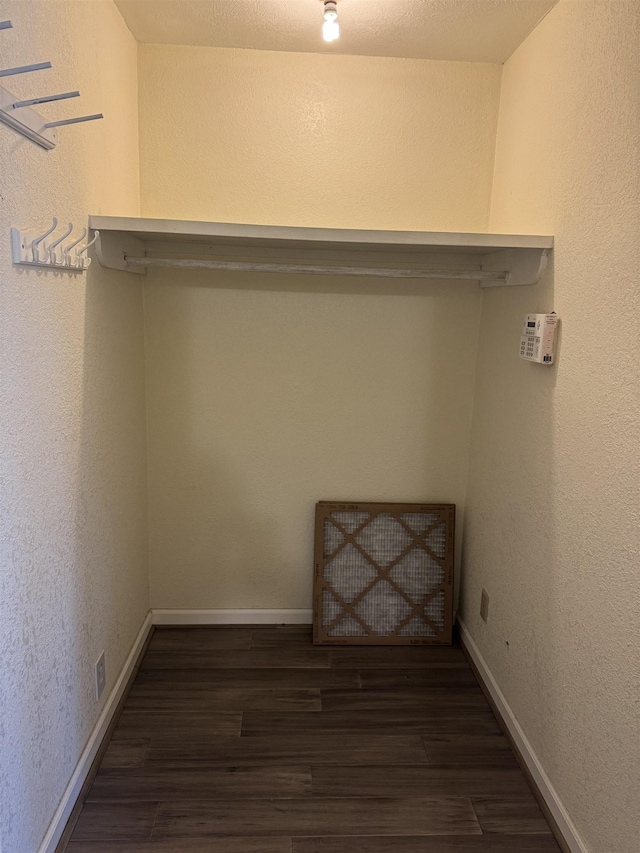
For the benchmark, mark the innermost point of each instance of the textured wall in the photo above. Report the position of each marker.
(553, 500)
(268, 397)
(72, 446)
(304, 139)
(263, 401)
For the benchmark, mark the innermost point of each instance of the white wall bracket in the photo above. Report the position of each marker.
(52, 249)
(134, 244)
(26, 121)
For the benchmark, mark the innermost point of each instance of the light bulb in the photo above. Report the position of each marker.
(331, 30)
(331, 27)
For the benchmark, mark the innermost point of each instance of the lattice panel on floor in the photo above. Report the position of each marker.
(383, 573)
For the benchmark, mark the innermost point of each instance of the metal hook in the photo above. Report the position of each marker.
(84, 249)
(45, 100)
(67, 251)
(35, 243)
(25, 69)
(53, 255)
(73, 120)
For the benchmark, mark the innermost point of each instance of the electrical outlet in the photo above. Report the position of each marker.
(101, 675)
(484, 605)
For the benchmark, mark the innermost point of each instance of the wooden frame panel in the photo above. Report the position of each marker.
(383, 573)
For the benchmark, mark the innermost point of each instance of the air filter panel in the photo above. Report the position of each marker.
(383, 574)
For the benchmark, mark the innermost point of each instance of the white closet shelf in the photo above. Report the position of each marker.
(134, 244)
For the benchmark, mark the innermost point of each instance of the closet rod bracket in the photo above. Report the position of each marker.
(525, 266)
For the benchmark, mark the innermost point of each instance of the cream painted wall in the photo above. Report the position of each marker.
(553, 502)
(272, 395)
(308, 139)
(72, 447)
(268, 394)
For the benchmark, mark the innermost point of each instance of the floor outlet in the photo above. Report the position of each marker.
(101, 675)
(484, 605)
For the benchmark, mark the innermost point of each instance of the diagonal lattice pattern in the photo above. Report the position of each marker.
(349, 572)
(417, 574)
(384, 539)
(383, 573)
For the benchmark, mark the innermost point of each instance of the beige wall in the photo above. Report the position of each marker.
(305, 139)
(553, 501)
(266, 394)
(272, 395)
(72, 448)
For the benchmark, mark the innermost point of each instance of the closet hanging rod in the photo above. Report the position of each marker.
(316, 269)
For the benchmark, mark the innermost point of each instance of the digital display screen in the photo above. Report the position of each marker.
(531, 325)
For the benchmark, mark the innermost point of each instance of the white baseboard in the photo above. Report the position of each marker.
(232, 617)
(72, 792)
(574, 841)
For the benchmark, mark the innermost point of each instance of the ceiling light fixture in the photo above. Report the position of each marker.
(331, 27)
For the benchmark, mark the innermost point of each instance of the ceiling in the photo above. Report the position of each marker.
(463, 30)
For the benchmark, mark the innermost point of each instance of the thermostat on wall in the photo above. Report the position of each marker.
(538, 339)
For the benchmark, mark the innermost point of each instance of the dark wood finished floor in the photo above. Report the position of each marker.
(252, 740)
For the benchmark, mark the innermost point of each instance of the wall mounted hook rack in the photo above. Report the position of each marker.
(47, 248)
(18, 114)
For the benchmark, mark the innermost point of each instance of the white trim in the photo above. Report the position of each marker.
(574, 841)
(232, 617)
(72, 792)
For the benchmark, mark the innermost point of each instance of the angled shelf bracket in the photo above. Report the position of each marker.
(493, 260)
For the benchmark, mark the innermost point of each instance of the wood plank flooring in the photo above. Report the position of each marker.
(252, 740)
